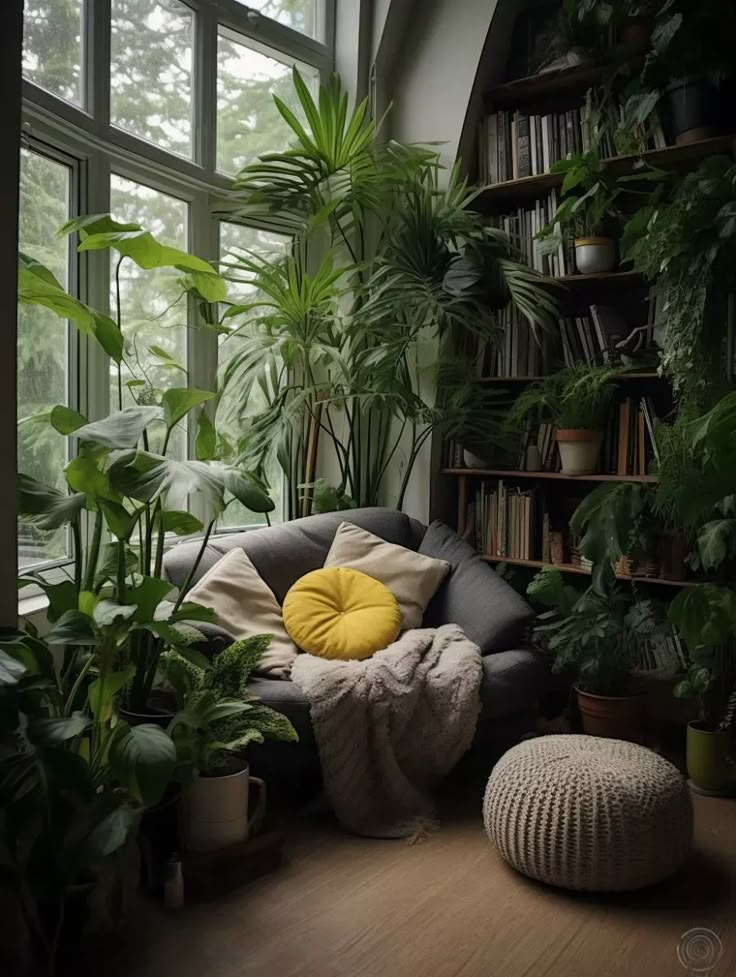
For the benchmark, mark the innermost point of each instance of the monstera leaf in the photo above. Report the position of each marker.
(46, 507)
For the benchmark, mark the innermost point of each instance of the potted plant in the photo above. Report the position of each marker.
(593, 635)
(684, 240)
(616, 523)
(574, 36)
(692, 53)
(578, 401)
(587, 213)
(217, 720)
(123, 481)
(74, 781)
(705, 617)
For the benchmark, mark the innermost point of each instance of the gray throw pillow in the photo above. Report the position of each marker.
(489, 611)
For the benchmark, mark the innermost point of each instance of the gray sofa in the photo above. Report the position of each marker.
(490, 612)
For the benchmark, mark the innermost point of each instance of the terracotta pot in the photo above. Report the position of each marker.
(671, 551)
(619, 718)
(579, 450)
(708, 765)
(214, 811)
(595, 255)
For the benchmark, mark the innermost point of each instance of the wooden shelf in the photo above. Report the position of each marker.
(508, 473)
(571, 568)
(611, 279)
(548, 85)
(622, 378)
(673, 157)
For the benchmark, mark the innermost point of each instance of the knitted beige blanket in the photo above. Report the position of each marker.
(390, 727)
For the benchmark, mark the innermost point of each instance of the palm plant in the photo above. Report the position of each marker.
(339, 344)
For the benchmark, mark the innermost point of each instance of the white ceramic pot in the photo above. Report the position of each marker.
(595, 255)
(473, 461)
(214, 811)
(579, 450)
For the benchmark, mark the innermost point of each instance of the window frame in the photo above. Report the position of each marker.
(85, 138)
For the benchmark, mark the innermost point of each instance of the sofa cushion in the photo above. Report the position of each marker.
(413, 579)
(285, 552)
(489, 611)
(513, 682)
(245, 606)
(341, 613)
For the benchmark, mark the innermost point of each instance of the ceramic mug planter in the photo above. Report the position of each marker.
(618, 718)
(708, 765)
(595, 255)
(579, 450)
(214, 811)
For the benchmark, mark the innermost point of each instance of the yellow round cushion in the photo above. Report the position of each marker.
(341, 613)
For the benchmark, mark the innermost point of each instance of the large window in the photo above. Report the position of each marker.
(144, 109)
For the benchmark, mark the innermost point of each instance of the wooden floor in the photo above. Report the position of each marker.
(449, 907)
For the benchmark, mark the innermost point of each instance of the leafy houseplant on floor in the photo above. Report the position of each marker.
(73, 783)
(349, 350)
(217, 720)
(577, 400)
(587, 213)
(594, 635)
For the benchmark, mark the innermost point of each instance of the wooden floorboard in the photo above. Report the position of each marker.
(448, 907)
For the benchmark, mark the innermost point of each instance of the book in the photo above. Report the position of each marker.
(525, 166)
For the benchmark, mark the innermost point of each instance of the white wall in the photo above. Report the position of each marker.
(428, 75)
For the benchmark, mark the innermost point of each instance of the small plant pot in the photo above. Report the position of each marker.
(691, 103)
(472, 460)
(595, 255)
(159, 711)
(579, 450)
(708, 765)
(214, 811)
(618, 718)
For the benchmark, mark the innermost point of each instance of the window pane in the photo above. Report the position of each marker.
(151, 71)
(235, 238)
(42, 345)
(248, 122)
(306, 16)
(154, 308)
(52, 46)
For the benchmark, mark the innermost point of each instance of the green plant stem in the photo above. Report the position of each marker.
(93, 553)
(69, 706)
(193, 569)
(417, 443)
(78, 556)
(119, 320)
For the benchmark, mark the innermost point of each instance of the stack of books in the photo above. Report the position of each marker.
(523, 224)
(661, 653)
(508, 521)
(513, 145)
(591, 338)
(628, 447)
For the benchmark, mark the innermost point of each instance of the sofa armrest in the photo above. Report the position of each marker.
(513, 681)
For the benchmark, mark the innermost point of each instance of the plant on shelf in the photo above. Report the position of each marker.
(125, 486)
(588, 213)
(577, 400)
(685, 241)
(74, 780)
(348, 349)
(574, 36)
(594, 636)
(616, 523)
(218, 717)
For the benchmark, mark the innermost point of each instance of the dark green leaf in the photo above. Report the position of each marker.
(143, 759)
(180, 523)
(57, 731)
(11, 670)
(65, 420)
(101, 693)
(178, 401)
(108, 612)
(46, 507)
(72, 628)
(206, 442)
(113, 831)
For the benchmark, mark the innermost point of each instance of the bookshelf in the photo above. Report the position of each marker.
(581, 571)
(496, 197)
(527, 124)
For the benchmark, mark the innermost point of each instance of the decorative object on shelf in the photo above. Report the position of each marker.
(218, 718)
(595, 255)
(588, 814)
(367, 317)
(577, 400)
(594, 635)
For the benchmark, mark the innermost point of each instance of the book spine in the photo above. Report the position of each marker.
(515, 147)
(503, 173)
(525, 168)
(492, 143)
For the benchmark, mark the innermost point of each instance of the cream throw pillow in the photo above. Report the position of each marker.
(245, 605)
(412, 578)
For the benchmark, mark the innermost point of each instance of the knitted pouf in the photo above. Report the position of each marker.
(583, 812)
